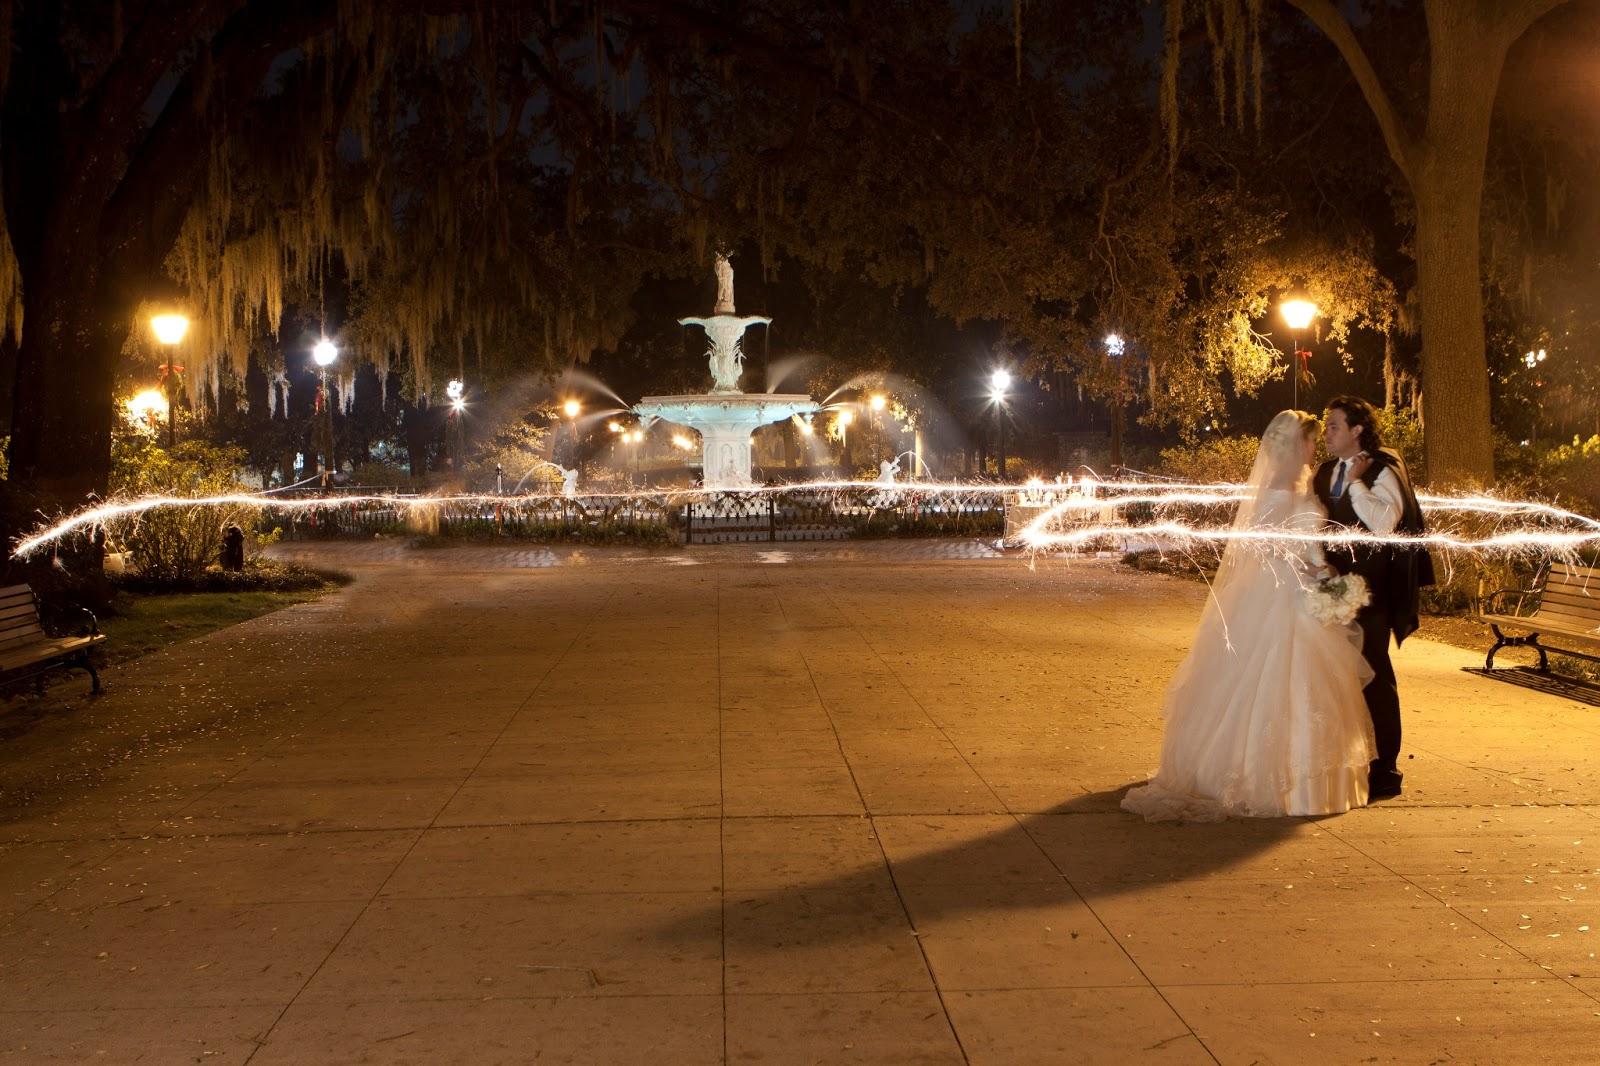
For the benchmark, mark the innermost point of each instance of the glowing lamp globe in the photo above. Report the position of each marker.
(170, 329)
(806, 428)
(846, 417)
(1115, 345)
(325, 352)
(1298, 313)
(1000, 379)
(878, 402)
(455, 389)
(572, 407)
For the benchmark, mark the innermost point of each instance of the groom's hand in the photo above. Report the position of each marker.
(1358, 466)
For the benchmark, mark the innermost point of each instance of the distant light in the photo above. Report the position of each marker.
(572, 408)
(1000, 379)
(147, 405)
(454, 389)
(680, 441)
(325, 352)
(614, 426)
(170, 329)
(1115, 345)
(1298, 313)
(846, 417)
(806, 428)
(878, 402)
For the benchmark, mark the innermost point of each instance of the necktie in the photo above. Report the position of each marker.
(1338, 482)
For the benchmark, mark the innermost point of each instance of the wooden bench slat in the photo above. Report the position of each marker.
(1561, 618)
(46, 649)
(1580, 588)
(1565, 601)
(19, 601)
(15, 590)
(22, 634)
(1549, 625)
(17, 610)
(1574, 568)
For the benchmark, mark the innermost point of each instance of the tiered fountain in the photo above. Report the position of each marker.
(726, 417)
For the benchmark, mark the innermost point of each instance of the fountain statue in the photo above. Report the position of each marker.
(887, 471)
(725, 417)
(569, 482)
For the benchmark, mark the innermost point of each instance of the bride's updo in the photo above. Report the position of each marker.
(1281, 462)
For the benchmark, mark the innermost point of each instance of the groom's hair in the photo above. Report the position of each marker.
(1358, 412)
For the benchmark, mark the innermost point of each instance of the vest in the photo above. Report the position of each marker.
(1395, 574)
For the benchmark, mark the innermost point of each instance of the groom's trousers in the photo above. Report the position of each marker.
(1382, 693)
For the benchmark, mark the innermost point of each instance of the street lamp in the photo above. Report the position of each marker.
(1115, 347)
(1532, 361)
(572, 409)
(1297, 314)
(170, 329)
(999, 382)
(323, 354)
(456, 393)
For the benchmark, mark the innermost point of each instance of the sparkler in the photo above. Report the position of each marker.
(1522, 526)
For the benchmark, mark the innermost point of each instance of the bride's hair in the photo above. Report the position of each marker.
(1281, 461)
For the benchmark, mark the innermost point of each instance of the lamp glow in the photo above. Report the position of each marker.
(846, 417)
(147, 406)
(1115, 345)
(325, 352)
(878, 402)
(1297, 314)
(1000, 380)
(170, 329)
(572, 408)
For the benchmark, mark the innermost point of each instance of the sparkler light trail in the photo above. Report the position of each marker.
(1520, 526)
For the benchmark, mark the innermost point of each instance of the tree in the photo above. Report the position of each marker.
(1441, 156)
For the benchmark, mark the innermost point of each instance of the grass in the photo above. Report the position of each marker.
(148, 622)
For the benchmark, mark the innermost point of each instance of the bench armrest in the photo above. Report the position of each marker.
(71, 621)
(1494, 602)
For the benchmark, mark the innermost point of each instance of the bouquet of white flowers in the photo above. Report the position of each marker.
(1334, 601)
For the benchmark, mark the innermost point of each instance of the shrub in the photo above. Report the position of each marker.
(176, 543)
(1220, 459)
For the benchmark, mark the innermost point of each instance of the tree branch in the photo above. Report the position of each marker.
(1401, 143)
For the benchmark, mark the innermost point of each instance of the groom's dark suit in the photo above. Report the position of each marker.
(1395, 575)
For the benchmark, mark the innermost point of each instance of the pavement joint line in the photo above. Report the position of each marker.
(722, 834)
(262, 1039)
(1550, 973)
(888, 866)
(1021, 824)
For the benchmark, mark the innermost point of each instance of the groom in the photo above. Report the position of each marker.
(1364, 486)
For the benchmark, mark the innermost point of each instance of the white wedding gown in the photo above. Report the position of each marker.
(1265, 717)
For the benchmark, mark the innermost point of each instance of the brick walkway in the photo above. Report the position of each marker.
(842, 803)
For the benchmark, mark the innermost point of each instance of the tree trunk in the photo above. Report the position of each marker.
(1448, 186)
(61, 443)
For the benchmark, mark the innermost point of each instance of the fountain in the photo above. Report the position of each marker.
(726, 417)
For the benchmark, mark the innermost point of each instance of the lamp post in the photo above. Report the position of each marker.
(456, 393)
(999, 382)
(572, 409)
(1532, 361)
(170, 329)
(323, 354)
(1297, 314)
(845, 418)
(1115, 347)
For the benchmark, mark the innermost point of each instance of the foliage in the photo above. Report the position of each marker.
(1211, 461)
(517, 447)
(258, 575)
(175, 544)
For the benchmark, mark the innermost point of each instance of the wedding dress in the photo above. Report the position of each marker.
(1265, 717)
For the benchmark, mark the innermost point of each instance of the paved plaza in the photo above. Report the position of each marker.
(852, 803)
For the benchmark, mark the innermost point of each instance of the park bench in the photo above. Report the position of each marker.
(1565, 603)
(28, 651)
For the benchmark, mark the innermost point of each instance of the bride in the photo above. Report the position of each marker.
(1265, 717)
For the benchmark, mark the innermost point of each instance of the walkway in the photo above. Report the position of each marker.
(847, 803)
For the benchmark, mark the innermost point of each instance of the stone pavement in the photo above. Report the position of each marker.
(852, 803)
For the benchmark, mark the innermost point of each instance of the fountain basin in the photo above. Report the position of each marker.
(725, 423)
